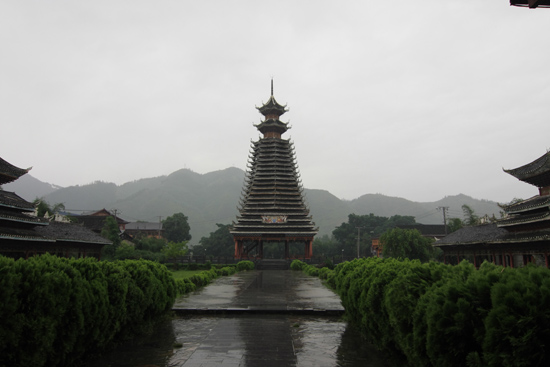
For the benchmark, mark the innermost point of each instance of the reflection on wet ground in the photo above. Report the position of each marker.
(282, 290)
(251, 341)
(255, 338)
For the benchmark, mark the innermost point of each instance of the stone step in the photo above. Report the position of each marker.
(273, 264)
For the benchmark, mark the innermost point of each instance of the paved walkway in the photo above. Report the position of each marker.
(263, 291)
(253, 319)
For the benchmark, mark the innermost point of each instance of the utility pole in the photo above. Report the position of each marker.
(358, 240)
(160, 226)
(444, 210)
(116, 220)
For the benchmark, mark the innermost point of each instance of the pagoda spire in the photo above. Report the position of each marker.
(271, 126)
(272, 207)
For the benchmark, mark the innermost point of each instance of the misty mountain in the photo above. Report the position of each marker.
(207, 199)
(30, 188)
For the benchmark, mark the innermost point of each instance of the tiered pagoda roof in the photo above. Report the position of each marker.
(23, 233)
(533, 213)
(525, 221)
(9, 172)
(531, 3)
(536, 173)
(272, 205)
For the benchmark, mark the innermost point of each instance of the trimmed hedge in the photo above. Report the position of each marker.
(322, 273)
(442, 315)
(245, 265)
(205, 277)
(54, 310)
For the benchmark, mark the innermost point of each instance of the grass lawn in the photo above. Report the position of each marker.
(181, 274)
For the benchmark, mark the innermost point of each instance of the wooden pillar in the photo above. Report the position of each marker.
(261, 249)
(309, 249)
(238, 249)
(475, 260)
(287, 251)
(511, 260)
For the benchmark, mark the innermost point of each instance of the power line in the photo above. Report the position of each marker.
(444, 210)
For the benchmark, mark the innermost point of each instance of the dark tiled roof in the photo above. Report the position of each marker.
(92, 222)
(476, 234)
(272, 107)
(536, 202)
(12, 200)
(536, 173)
(11, 233)
(272, 203)
(71, 232)
(491, 234)
(9, 172)
(524, 219)
(18, 217)
(95, 222)
(527, 3)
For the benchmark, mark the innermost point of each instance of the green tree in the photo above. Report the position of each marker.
(219, 243)
(151, 244)
(406, 243)
(326, 246)
(175, 249)
(176, 228)
(42, 207)
(470, 217)
(111, 232)
(371, 226)
(454, 224)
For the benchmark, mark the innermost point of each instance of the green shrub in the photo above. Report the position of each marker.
(325, 273)
(55, 310)
(441, 315)
(245, 265)
(184, 286)
(297, 265)
(310, 270)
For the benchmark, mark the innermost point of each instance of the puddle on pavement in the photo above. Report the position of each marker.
(248, 340)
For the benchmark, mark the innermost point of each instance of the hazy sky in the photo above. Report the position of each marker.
(416, 99)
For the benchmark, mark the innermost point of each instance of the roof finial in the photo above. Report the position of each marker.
(272, 86)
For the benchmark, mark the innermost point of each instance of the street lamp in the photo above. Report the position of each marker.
(342, 255)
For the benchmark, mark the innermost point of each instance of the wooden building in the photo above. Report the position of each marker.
(23, 235)
(531, 3)
(144, 229)
(96, 220)
(272, 206)
(521, 237)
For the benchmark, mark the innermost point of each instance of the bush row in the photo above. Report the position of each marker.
(203, 278)
(441, 315)
(323, 273)
(55, 310)
(197, 266)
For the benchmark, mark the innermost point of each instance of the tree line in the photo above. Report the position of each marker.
(345, 241)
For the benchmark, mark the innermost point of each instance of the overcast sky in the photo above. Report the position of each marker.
(415, 99)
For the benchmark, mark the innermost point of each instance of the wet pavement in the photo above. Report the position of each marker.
(263, 291)
(274, 327)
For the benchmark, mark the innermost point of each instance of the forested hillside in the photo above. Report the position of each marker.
(207, 199)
